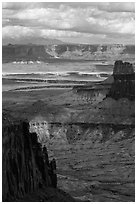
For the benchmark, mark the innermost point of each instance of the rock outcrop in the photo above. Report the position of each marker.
(121, 84)
(122, 68)
(26, 173)
(124, 81)
(24, 170)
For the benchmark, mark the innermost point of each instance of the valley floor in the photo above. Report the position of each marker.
(98, 173)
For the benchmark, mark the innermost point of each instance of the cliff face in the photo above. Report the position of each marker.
(124, 81)
(88, 51)
(24, 170)
(66, 51)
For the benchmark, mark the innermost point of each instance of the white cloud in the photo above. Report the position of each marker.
(16, 31)
(68, 19)
(20, 31)
(60, 33)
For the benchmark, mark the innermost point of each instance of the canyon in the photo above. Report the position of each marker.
(89, 130)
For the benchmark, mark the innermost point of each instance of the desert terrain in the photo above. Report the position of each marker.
(89, 131)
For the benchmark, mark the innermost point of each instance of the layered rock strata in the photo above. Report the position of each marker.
(66, 51)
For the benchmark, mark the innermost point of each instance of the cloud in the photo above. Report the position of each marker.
(117, 7)
(20, 31)
(20, 5)
(106, 6)
(16, 31)
(68, 19)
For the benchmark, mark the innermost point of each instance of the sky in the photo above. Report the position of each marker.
(70, 22)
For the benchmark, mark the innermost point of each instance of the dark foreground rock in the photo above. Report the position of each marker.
(47, 195)
(24, 171)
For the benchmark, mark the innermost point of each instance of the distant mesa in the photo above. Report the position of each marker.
(55, 51)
